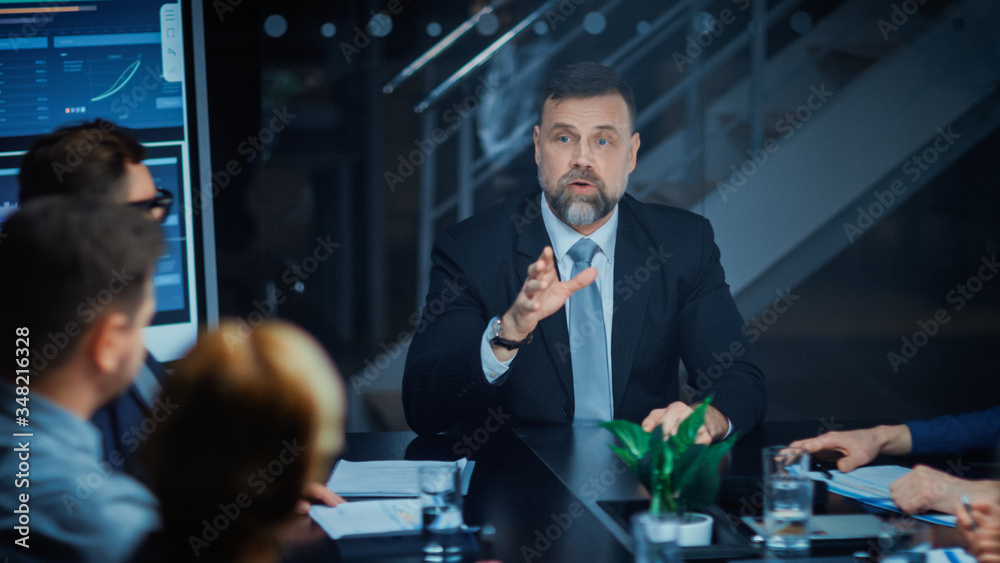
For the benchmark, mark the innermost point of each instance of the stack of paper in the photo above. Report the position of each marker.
(397, 480)
(870, 485)
(368, 517)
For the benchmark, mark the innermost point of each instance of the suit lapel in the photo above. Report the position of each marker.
(552, 331)
(631, 250)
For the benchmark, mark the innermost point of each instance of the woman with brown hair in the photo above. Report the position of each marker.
(257, 417)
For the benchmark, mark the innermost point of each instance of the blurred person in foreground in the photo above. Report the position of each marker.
(262, 417)
(62, 502)
(923, 488)
(101, 160)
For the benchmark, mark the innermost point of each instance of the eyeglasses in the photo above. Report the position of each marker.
(163, 200)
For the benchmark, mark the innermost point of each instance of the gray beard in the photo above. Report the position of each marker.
(577, 209)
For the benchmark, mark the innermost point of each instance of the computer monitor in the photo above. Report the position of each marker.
(140, 64)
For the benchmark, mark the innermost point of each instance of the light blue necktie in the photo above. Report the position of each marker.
(588, 345)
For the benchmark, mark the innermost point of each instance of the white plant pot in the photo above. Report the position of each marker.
(695, 529)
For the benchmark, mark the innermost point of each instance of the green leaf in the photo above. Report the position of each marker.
(702, 484)
(627, 457)
(688, 466)
(687, 430)
(631, 436)
(651, 463)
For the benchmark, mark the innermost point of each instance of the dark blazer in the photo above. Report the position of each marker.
(671, 303)
(954, 435)
(121, 424)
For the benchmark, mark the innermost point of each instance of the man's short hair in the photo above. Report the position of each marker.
(86, 159)
(587, 80)
(67, 262)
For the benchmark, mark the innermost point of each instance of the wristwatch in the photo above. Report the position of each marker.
(497, 339)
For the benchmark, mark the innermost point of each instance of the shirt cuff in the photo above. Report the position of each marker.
(729, 430)
(493, 368)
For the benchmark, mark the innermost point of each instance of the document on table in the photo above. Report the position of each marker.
(368, 517)
(870, 485)
(394, 478)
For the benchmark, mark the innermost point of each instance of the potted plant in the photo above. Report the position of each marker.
(680, 475)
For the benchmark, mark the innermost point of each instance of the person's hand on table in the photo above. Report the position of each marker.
(541, 295)
(714, 427)
(983, 542)
(858, 447)
(924, 488)
(317, 493)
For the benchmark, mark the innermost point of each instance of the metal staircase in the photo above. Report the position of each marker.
(783, 122)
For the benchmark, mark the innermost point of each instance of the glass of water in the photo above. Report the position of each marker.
(655, 538)
(441, 511)
(787, 508)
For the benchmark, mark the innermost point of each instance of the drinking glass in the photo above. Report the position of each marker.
(441, 513)
(655, 538)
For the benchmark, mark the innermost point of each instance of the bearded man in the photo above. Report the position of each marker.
(641, 286)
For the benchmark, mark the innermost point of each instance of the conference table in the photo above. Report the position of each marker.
(560, 495)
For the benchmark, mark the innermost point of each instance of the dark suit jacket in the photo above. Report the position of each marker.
(671, 303)
(954, 435)
(121, 424)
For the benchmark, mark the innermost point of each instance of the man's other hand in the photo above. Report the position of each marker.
(714, 426)
(924, 488)
(858, 447)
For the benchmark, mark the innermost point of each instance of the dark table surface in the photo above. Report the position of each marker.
(560, 495)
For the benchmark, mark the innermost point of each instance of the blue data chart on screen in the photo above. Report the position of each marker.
(65, 63)
(171, 273)
(8, 192)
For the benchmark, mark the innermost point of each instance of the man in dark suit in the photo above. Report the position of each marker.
(642, 288)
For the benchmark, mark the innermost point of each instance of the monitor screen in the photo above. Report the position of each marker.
(140, 64)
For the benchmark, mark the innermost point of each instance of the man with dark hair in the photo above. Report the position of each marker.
(100, 159)
(77, 278)
(642, 288)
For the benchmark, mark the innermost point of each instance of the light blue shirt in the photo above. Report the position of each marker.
(563, 237)
(76, 501)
